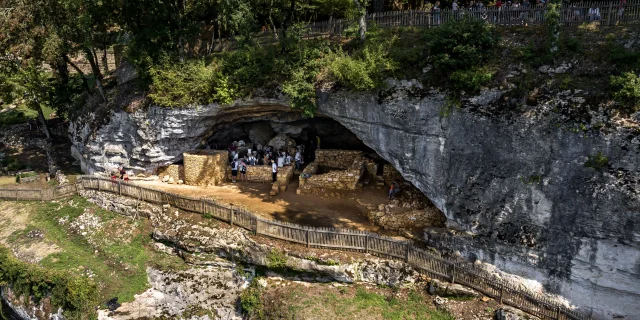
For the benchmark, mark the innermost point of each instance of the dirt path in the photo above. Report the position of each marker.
(338, 209)
(14, 218)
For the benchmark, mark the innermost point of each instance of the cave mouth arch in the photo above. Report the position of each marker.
(260, 127)
(304, 131)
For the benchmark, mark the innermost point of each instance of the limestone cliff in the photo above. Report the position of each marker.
(529, 191)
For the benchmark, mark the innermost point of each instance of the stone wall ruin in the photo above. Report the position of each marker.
(205, 167)
(346, 167)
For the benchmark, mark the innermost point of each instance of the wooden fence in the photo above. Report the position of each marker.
(39, 194)
(330, 238)
(604, 13)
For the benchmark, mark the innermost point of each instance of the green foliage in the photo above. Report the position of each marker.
(470, 80)
(460, 45)
(276, 259)
(304, 65)
(599, 161)
(192, 82)
(363, 70)
(627, 90)
(76, 295)
(251, 300)
(13, 164)
(458, 49)
(552, 26)
(620, 56)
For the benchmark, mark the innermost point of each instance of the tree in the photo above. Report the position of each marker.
(27, 83)
(362, 19)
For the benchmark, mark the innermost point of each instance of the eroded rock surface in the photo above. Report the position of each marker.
(202, 293)
(516, 182)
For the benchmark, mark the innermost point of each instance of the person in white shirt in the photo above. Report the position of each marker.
(298, 159)
(274, 171)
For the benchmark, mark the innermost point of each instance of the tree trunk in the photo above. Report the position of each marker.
(85, 83)
(362, 21)
(105, 60)
(288, 21)
(43, 121)
(96, 73)
(213, 38)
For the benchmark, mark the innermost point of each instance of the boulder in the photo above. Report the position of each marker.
(260, 133)
(441, 288)
(171, 180)
(282, 141)
(165, 178)
(509, 313)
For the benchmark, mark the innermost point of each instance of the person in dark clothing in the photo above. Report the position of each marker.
(394, 190)
(274, 171)
(122, 173)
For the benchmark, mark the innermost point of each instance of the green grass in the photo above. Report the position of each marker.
(21, 114)
(343, 303)
(117, 263)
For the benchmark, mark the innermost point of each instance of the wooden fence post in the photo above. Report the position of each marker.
(453, 273)
(557, 312)
(501, 292)
(366, 243)
(41, 195)
(231, 216)
(119, 187)
(306, 236)
(610, 12)
(406, 255)
(255, 225)
(202, 202)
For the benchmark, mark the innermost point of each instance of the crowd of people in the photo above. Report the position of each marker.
(263, 156)
(524, 11)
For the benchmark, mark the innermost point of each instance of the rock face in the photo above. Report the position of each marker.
(517, 185)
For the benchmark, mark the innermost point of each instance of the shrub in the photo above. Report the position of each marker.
(251, 300)
(627, 89)
(597, 162)
(276, 259)
(252, 67)
(460, 45)
(13, 164)
(470, 80)
(192, 82)
(76, 296)
(363, 70)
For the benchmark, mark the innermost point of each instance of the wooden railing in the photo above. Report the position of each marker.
(341, 239)
(604, 13)
(58, 192)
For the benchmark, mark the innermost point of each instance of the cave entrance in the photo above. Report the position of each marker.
(314, 133)
(342, 184)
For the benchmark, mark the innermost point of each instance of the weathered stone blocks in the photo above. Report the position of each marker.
(205, 167)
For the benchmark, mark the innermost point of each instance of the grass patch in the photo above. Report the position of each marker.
(276, 259)
(297, 302)
(21, 114)
(7, 181)
(115, 256)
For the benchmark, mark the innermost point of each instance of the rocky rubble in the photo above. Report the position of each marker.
(200, 293)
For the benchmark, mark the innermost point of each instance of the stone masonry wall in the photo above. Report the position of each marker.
(337, 179)
(263, 173)
(340, 159)
(176, 171)
(205, 167)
